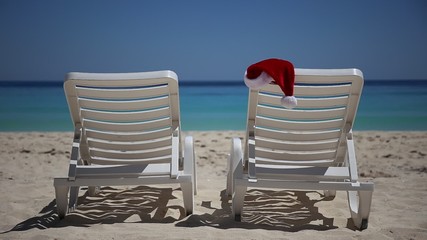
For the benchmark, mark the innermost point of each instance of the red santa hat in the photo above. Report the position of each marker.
(280, 71)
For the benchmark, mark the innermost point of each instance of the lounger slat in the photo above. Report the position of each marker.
(125, 116)
(111, 161)
(311, 90)
(97, 104)
(322, 90)
(128, 136)
(307, 173)
(310, 163)
(297, 136)
(151, 153)
(274, 100)
(122, 93)
(294, 155)
(130, 146)
(296, 145)
(291, 114)
(123, 170)
(298, 125)
(134, 126)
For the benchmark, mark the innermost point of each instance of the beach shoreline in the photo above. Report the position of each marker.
(396, 161)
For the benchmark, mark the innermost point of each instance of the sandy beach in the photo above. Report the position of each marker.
(395, 161)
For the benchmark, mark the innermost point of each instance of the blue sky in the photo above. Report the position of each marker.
(211, 40)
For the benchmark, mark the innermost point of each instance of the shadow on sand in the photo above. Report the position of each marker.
(111, 205)
(265, 209)
(289, 211)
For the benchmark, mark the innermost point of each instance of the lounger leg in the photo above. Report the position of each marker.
(236, 169)
(188, 197)
(190, 165)
(360, 206)
(74, 195)
(61, 194)
(238, 201)
(229, 187)
(194, 176)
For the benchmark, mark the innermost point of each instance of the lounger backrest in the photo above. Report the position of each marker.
(313, 133)
(125, 117)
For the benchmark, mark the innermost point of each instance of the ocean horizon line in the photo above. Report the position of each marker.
(57, 83)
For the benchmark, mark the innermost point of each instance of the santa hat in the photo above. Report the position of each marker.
(280, 71)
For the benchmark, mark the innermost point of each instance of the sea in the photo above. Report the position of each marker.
(390, 105)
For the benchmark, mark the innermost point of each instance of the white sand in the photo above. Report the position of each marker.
(395, 161)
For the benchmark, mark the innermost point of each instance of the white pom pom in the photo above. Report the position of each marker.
(259, 82)
(289, 101)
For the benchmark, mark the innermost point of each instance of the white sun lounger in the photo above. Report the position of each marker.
(127, 132)
(306, 148)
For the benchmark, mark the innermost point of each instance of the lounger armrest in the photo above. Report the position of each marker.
(236, 160)
(75, 153)
(236, 154)
(175, 154)
(189, 156)
(351, 157)
(251, 157)
(250, 133)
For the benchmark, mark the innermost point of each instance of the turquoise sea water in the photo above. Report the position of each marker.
(385, 105)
